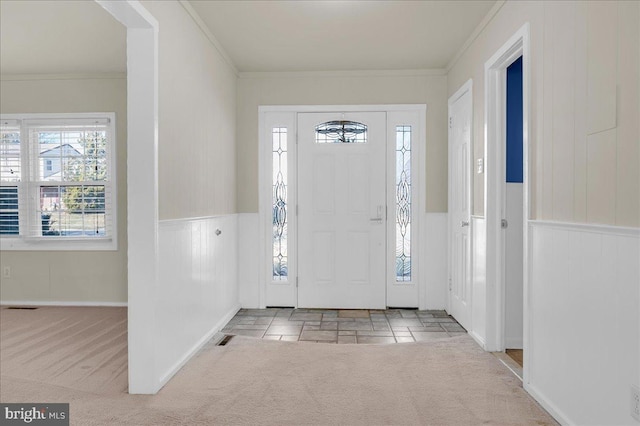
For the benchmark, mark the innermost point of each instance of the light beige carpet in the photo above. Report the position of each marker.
(251, 381)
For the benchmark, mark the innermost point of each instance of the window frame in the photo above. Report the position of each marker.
(28, 186)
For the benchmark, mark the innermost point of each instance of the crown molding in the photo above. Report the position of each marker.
(350, 73)
(67, 76)
(474, 35)
(205, 29)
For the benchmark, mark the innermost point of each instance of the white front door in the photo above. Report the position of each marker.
(459, 207)
(342, 210)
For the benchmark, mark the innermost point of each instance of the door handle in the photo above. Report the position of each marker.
(379, 215)
(464, 223)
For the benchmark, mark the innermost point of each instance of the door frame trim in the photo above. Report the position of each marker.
(264, 187)
(494, 187)
(466, 87)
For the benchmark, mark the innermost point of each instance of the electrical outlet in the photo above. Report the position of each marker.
(6, 272)
(635, 402)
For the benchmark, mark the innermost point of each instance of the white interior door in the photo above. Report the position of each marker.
(341, 210)
(459, 207)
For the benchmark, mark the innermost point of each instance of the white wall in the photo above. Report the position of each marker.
(585, 331)
(98, 277)
(584, 165)
(584, 97)
(197, 119)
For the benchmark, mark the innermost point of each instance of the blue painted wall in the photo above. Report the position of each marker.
(514, 121)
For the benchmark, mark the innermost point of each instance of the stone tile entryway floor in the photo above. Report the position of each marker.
(344, 326)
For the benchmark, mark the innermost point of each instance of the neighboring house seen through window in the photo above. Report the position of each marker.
(57, 181)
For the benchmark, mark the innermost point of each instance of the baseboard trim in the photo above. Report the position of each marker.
(164, 379)
(479, 340)
(546, 404)
(58, 303)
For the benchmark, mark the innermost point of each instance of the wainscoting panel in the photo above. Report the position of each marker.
(197, 286)
(583, 318)
(434, 257)
(249, 259)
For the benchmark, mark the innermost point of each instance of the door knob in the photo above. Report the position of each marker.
(464, 223)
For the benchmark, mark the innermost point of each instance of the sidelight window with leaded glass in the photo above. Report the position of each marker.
(403, 203)
(279, 205)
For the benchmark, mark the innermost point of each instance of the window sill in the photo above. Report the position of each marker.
(8, 243)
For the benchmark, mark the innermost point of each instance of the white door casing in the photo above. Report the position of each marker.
(495, 129)
(460, 119)
(342, 215)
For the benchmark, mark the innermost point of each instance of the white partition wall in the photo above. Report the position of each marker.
(182, 276)
(142, 187)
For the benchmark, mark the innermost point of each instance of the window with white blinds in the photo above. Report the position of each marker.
(57, 180)
(10, 177)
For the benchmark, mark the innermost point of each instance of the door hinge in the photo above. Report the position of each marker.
(449, 284)
(450, 122)
(504, 224)
(296, 282)
(296, 210)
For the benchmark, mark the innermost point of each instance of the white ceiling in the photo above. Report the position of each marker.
(60, 37)
(323, 35)
(78, 36)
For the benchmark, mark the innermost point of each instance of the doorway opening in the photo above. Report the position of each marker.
(507, 82)
(513, 214)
